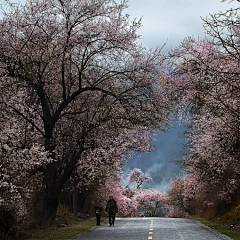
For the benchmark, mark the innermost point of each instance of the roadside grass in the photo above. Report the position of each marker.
(65, 226)
(74, 227)
(219, 227)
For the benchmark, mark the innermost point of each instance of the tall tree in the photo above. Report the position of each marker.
(71, 58)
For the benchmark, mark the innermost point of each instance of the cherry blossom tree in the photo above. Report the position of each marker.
(138, 177)
(145, 203)
(179, 196)
(81, 72)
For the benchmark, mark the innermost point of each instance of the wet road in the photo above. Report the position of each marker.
(151, 229)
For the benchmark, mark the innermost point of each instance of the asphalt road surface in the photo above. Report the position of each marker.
(151, 229)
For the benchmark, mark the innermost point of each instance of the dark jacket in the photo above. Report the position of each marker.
(111, 207)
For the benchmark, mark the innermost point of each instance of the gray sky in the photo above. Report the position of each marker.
(161, 163)
(171, 21)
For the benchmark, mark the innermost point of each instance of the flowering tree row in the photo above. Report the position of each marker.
(134, 202)
(206, 75)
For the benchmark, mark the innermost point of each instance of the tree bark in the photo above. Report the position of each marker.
(55, 182)
(50, 206)
(75, 201)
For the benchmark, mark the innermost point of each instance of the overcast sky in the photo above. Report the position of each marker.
(169, 21)
(173, 20)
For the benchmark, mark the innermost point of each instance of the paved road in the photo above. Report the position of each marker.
(151, 229)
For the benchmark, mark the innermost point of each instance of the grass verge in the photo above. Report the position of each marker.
(219, 227)
(75, 227)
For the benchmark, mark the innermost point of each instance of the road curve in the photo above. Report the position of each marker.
(151, 229)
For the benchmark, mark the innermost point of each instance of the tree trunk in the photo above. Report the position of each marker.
(54, 184)
(49, 210)
(55, 181)
(75, 201)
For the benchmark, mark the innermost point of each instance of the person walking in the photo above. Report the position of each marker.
(98, 213)
(111, 209)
